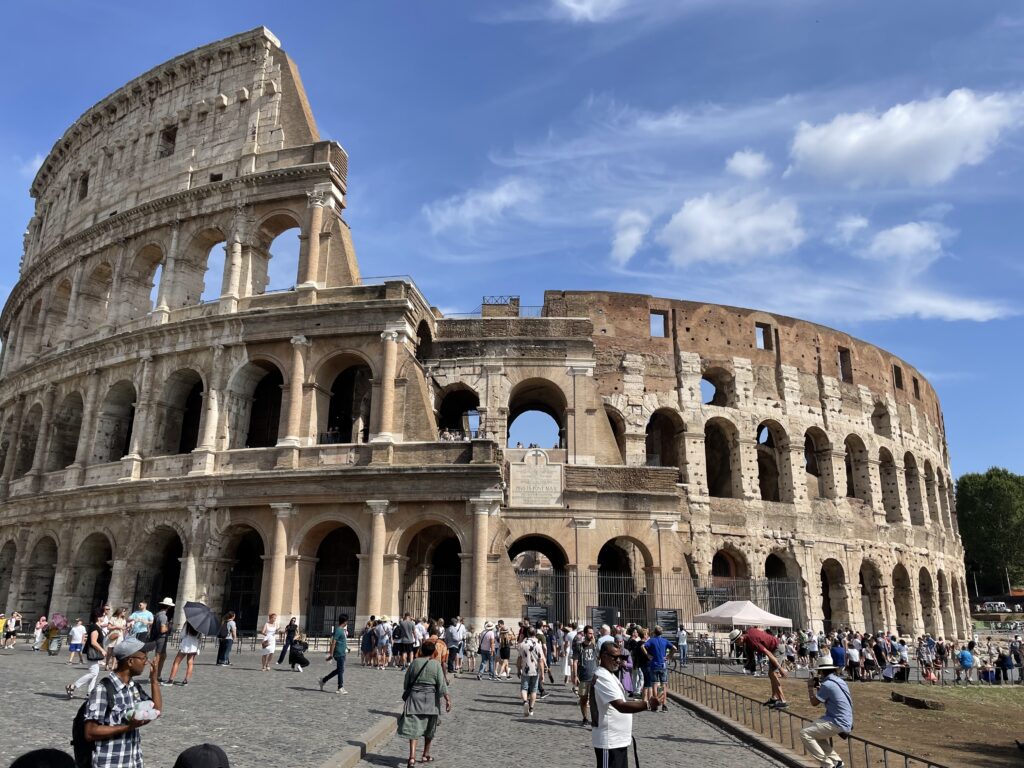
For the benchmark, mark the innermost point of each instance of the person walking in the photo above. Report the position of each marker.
(610, 712)
(11, 630)
(289, 637)
(336, 653)
(38, 633)
(488, 643)
(407, 633)
(76, 642)
(269, 633)
(530, 668)
(656, 676)
(227, 635)
(584, 669)
(160, 634)
(94, 654)
(831, 690)
(188, 649)
(424, 688)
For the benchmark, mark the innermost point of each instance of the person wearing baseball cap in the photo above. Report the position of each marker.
(202, 756)
(831, 690)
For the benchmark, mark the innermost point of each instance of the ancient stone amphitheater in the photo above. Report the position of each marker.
(172, 427)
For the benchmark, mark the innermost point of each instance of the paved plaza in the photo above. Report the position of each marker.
(282, 717)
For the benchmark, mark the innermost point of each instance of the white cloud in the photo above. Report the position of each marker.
(731, 229)
(748, 164)
(480, 206)
(921, 143)
(915, 244)
(849, 227)
(630, 230)
(588, 10)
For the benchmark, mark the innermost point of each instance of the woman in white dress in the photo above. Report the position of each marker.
(269, 641)
(188, 649)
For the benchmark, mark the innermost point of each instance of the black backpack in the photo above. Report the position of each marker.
(83, 748)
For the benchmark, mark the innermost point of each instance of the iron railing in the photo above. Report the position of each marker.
(783, 727)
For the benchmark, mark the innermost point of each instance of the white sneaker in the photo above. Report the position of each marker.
(342, 691)
(526, 709)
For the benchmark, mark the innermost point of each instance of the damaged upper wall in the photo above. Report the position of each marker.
(204, 116)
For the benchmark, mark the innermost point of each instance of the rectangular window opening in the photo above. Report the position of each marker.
(917, 388)
(763, 335)
(845, 365)
(168, 136)
(659, 324)
(83, 187)
(897, 376)
(216, 177)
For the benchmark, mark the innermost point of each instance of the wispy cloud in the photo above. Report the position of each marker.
(748, 164)
(480, 206)
(630, 230)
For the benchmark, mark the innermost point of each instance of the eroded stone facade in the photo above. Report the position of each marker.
(292, 451)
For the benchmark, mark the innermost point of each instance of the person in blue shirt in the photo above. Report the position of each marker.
(838, 653)
(657, 648)
(965, 665)
(828, 689)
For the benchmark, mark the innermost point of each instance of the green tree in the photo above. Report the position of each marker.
(990, 513)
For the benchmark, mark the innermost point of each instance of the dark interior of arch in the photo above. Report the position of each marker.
(159, 569)
(190, 419)
(662, 441)
(775, 567)
(335, 579)
(540, 544)
(348, 416)
(718, 459)
(245, 578)
(265, 414)
(767, 465)
(618, 431)
(724, 566)
(424, 341)
(455, 410)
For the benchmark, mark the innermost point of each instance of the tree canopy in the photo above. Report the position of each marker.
(990, 513)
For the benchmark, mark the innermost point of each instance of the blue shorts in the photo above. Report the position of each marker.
(529, 683)
(75, 647)
(654, 676)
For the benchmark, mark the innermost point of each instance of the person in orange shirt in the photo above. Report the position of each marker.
(440, 654)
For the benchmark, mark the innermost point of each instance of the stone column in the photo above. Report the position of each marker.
(204, 457)
(187, 585)
(85, 437)
(875, 484)
(293, 433)
(746, 449)
(316, 200)
(232, 276)
(797, 473)
(386, 412)
(116, 592)
(278, 553)
(43, 441)
(140, 425)
(71, 322)
(481, 508)
(375, 566)
(167, 277)
(12, 448)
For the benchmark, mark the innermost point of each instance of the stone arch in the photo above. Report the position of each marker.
(140, 281)
(858, 477)
(8, 556)
(156, 563)
(915, 498)
(818, 464)
(238, 574)
(890, 486)
(253, 404)
(114, 423)
(930, 493)
(718, 387)
(277, 252)
(37, 578)
(958, 606)
(28, 437)
(773, 466)
(344, 398)
(198, 270)
(722, 459)
(90, 575)
(333, 548)
(431, 584)
(540, 396)
(943, 492)
(927, 595)
(949, 622)
(8, 441)
(57, 314)
(881, 421)
(94, 297)
(618, 426)
(457, 414)
(664, 439)
(903, 599)
(424, 342)
(178, 413)
(540, 565)
(65, 433)
(729, 564)
(784, 585)
(872, 596)
(622, 564)
(835, 606)
(31, 328)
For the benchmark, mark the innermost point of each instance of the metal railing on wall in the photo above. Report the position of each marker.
(783, 727)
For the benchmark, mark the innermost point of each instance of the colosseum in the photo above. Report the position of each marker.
(175, 424)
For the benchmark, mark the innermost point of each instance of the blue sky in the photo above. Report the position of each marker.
(859, 164)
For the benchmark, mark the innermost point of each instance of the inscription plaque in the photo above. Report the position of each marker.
(534, 482)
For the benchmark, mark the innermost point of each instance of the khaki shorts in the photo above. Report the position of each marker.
(584, 686)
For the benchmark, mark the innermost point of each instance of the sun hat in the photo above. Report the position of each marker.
(826, 667)
(734, 634)
(488, 625)
(168, 602)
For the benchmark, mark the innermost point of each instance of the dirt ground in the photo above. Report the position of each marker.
(977, 728)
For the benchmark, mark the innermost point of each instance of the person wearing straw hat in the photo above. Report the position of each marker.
(755, 641)
(831, 690)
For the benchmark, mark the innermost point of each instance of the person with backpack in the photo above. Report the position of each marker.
(106, 729)
(228, 634)
(530, 667)
(94, 654)
(488, 643)
(611, 714)
(831, 690)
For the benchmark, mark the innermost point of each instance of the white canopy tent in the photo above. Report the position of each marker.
(741, 613)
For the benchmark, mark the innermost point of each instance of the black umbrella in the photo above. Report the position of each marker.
(203, 619)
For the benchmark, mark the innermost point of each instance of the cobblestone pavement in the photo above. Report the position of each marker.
(275, 718)
(487, 724)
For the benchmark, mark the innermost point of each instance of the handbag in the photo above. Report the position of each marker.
(408, 691)
(266, 644)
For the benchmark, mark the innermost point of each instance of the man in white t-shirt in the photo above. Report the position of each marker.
(610, 713)
(681, 643)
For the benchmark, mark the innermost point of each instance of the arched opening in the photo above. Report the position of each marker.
(348, 414)
(66, 429)
(536, 415)
(772, 458)
(37, 580)
(872, 597)
(784, 587)
(254, 405)
(57, 316)
(718, 387)
(622, 581)
(881, 423)
(140, 284)
(539, 564)
(31, 331)
(958, 615)
(903, 598)
(276, 259)
(424, 342)
(858, 479)
(114, 424)
(8, 554)
(618, 427)
(818, 464)
(927, 593)
(7, 442)
(245, 578)
(835, 609)
(915, 498)
(930, 493)
(91, 576)
(721, 454)
(29, 437)
(943, 497)
(179, 412)
(949, 623)
(94, 298)
(890, 487)
(458, 417)
(664, 439)
(157, 567)
(433, 574)
(728, 565)
(200, 270)
(335, 579)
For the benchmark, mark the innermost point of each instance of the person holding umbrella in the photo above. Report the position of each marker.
(199, 621)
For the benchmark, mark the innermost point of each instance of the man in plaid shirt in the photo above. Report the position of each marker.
(116, 733)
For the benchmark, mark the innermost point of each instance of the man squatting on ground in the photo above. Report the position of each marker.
(755, 641)
(831, 690)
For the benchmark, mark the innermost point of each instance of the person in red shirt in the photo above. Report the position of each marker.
(758, 641)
